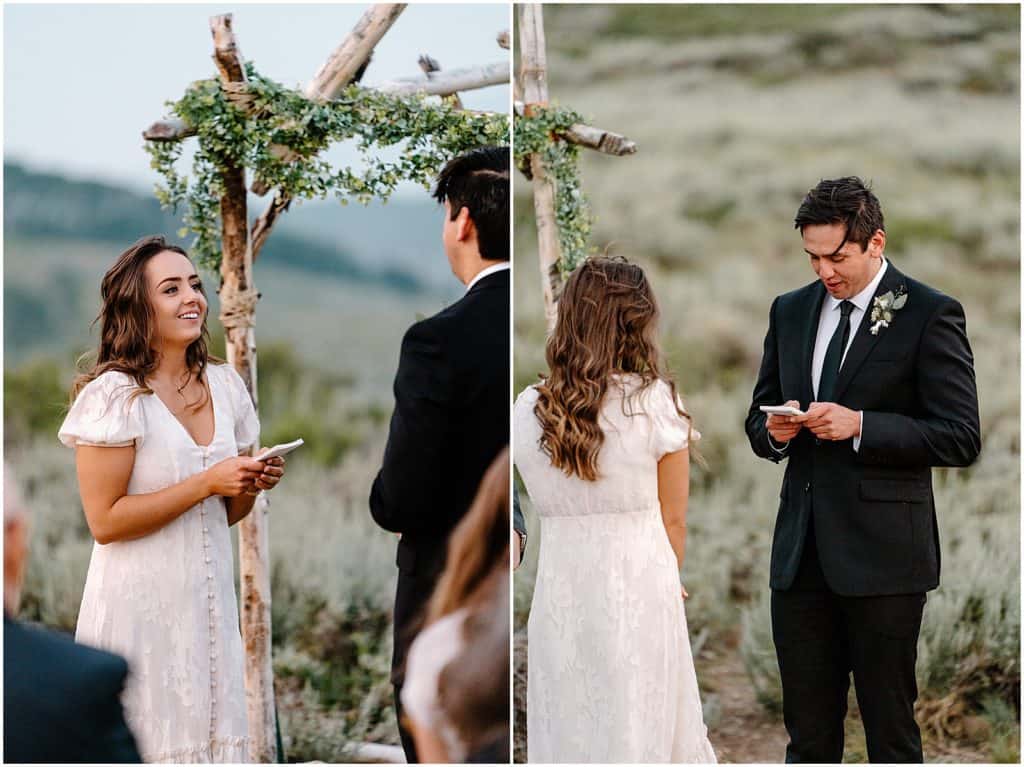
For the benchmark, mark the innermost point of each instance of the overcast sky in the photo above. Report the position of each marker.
(81, 82)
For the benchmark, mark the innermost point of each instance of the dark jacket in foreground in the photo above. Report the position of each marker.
(62, 700)
(451, 420)
(874, 512)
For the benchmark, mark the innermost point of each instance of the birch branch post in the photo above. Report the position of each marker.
(238, 298)
(533, 77)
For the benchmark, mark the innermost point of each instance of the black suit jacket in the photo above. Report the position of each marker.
(62, 700)
(874, 512)
(451, 420)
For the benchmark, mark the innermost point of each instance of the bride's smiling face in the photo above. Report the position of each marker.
(176, 297)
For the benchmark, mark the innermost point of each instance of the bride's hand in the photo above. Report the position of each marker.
(233, 476)
(685, 594)
(273, 470)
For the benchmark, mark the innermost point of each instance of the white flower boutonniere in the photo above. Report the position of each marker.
(885, 306)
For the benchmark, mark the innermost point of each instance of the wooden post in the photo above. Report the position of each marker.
(533, 75)
(238, 298)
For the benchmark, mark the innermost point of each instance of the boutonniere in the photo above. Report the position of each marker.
(885, 306)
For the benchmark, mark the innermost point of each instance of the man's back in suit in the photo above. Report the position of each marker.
(452, 395)
(62, 700)
(450, 421)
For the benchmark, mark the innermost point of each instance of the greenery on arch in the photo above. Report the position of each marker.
(537, 133)
(278, 134)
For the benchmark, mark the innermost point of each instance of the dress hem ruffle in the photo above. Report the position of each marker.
(232, 750)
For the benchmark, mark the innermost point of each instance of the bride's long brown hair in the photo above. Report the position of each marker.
(607, 324)
(128, 327)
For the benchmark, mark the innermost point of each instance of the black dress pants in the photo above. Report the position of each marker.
(820, 638)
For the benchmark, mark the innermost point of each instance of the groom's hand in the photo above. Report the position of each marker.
(827, 420)
(783, 428)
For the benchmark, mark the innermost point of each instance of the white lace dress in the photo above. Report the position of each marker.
(610, 672)
(166, 602)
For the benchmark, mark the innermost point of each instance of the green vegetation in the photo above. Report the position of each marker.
(278, 135)
(737, 111)
(536, 133)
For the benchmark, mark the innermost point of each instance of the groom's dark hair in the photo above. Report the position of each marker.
(479, 180)
(846, 200)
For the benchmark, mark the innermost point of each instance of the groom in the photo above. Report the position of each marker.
(881, 365)
(452, 394)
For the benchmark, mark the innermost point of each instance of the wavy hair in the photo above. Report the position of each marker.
(128, 325)
(606, 324)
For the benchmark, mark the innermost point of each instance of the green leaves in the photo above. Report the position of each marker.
(278, 136)
(538, 134)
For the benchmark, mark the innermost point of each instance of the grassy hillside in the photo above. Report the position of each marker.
(737, 111)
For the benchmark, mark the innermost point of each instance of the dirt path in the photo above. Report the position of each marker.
(740, 729)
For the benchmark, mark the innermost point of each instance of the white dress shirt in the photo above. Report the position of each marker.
(828, 321)
(489, 270)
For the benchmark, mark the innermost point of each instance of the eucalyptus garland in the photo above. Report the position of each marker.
(538, 134)
(277, 135)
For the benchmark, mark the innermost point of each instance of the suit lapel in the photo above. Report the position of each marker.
(810, 334)
(864, 342)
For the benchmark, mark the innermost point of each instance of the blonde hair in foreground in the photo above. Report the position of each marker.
(607, 324)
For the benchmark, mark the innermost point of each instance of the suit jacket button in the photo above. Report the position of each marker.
(807, 487)
(817, 440)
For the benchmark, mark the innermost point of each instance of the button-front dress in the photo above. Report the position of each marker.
(166, 601)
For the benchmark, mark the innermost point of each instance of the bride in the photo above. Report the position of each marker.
(158, 427)
(602, 446)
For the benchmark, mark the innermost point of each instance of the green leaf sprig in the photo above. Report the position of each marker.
(538, 134)
(279, 137)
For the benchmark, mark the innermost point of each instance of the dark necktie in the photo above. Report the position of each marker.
(834, 355)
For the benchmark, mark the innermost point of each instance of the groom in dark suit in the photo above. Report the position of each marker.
(452, 394)
(881, 365)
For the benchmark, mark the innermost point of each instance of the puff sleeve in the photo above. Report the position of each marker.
(670, 432)
(105, 414)
(247, 425)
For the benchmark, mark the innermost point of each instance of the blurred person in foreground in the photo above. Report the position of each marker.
(61, 700)
(456, 691)
(881, 365)
(451, 394)
(603, 447)
(160, 431)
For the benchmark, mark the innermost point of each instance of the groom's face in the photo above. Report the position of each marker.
(844, 271)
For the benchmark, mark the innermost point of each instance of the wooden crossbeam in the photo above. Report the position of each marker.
(438, 83)
(598, 139)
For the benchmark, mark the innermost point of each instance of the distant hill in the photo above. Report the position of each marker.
(54, 207)
(339, 284)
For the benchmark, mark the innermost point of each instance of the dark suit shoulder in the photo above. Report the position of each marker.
(798, 299)
(72, 671)
(485, 304)
(927, 295)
